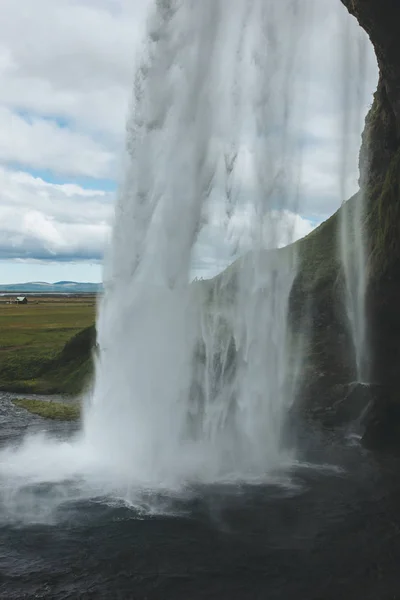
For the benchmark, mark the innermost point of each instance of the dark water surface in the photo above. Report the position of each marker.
(334, 534)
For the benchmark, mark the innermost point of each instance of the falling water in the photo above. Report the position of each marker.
(352, 229)
(186, 387)
(193, 382)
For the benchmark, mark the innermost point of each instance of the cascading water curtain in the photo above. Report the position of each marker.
(243, 388)
(211, 141)
(352, 240)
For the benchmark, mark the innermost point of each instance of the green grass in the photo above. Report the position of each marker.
(50, 410)
(42, 347)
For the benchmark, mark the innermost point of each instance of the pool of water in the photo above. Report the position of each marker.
(328, 529)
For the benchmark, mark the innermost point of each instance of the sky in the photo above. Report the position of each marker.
(66, 72)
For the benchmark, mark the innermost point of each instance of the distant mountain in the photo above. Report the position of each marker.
(59, 287)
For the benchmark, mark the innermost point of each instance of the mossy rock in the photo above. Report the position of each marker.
(59, 411)
(79, 345)
(384, 223)
(71, 371)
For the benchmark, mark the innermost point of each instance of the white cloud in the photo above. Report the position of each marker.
(72, 61)
(45, 221)
(70, 58)
(42, 144)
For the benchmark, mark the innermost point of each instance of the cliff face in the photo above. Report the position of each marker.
(380, 149)
(327, 392)
(380, 181)
(380, 19)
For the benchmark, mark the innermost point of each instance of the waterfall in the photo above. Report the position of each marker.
(194, 381)
(187, 387)
(352, 242)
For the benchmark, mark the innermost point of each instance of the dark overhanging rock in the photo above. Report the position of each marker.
(316, 305)
(380, 148)
(349, 403)
(380, 184)
(382, 424)
(380, 19)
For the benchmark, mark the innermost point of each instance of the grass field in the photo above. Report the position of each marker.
(32, 340)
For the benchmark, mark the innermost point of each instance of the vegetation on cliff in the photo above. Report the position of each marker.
(384, 223)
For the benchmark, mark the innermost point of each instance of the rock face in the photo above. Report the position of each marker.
(380, 19)
(380, 180)
(316, 306)
(318, 289)
(317, 311)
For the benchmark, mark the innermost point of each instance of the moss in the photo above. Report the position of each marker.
(79, 344)
(71, 371)
(384, 221)
(50, 410)
(318, 252)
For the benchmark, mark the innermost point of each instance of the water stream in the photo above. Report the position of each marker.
(352, 238)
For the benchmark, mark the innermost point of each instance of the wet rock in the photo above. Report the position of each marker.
(345, 403)
(382, 425)
(317, 297)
